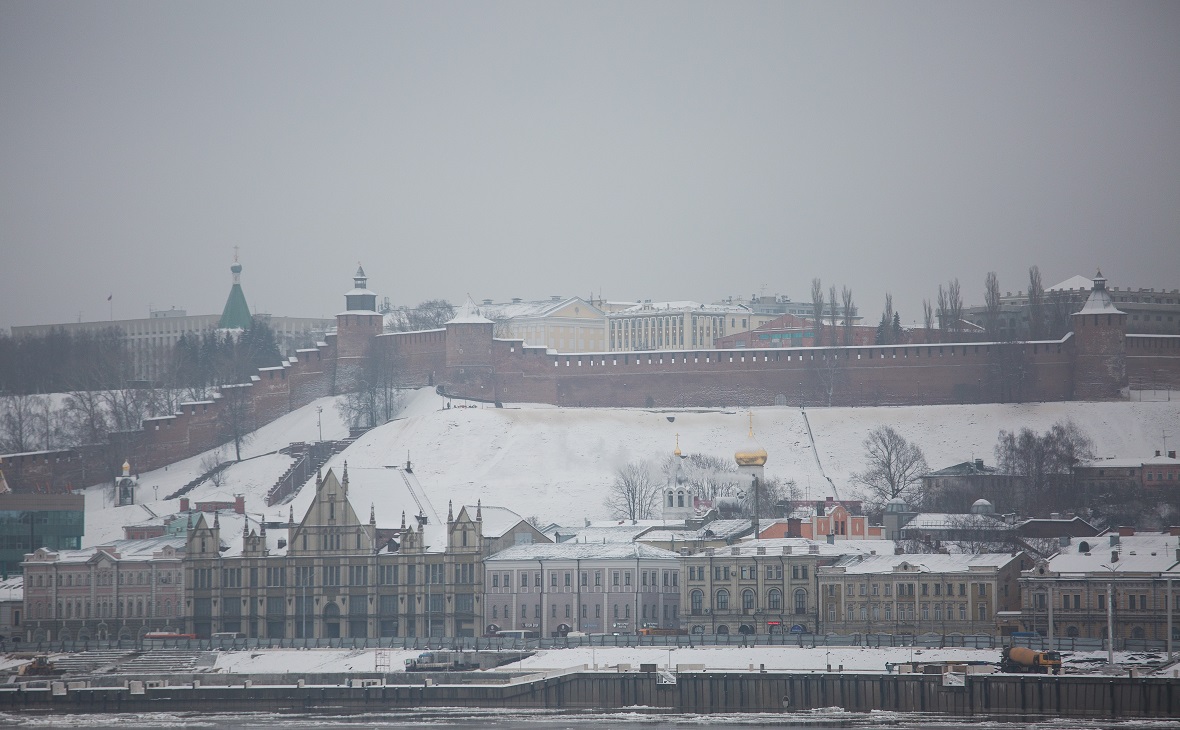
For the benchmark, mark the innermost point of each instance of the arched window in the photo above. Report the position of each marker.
(800, 601)
(774, 600)
(680, 499)
(1072, 632)
(697, 601)
(1137, 633)
(669, 498)
(748, 600)
(723, 600)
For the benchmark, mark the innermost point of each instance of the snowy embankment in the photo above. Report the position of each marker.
(556, 463)
(775, 658)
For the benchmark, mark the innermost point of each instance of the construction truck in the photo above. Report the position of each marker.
(1022, 660)
(40, 667)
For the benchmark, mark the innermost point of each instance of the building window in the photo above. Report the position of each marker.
(774, 600)
(800, 601)
(723, 600)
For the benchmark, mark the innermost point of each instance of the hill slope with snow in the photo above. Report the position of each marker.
(556, 463)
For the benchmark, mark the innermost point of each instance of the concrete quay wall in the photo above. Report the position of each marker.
(711, 692)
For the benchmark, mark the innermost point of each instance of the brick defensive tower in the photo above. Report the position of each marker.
(469, 352)
(1100, 337)
(356, 327)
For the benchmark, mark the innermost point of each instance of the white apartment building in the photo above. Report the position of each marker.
(553, 589)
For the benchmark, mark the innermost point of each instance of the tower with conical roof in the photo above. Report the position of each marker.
(236, 315)
(1099, 346)
(356, 327)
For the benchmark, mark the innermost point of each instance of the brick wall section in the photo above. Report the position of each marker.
(191, 430)
(420, 357)
(1095, 363)
(913, 374)
(1153, 361)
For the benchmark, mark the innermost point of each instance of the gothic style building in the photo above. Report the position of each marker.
(332, 576)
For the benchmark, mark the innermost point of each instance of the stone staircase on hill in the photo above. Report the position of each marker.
(168, 661)
(90, 662)
(308, 459)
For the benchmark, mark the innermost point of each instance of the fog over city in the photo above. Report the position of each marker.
(637, 151)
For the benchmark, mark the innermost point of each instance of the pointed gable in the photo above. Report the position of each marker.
(330, 523)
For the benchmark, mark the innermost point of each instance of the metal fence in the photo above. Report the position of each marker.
(927, 641)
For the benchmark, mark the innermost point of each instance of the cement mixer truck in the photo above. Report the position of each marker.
(1022, 660)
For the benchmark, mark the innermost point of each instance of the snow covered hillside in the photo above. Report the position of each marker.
(555, 463)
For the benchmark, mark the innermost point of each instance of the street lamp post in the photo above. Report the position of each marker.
(1110, 616)
(318, 422)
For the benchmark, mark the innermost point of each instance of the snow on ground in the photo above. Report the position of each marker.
(556, 463)
(776, 658)
(252, 477)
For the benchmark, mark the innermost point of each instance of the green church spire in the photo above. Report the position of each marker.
(236, 314)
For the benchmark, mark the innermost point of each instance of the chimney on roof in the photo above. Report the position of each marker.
(1114, 556)
(1114, 539)
(1174, 531)
(1172, 454)
(1126, 531)
(240, 504)
(1157, 452)
(979, 464)
(487, 302)
(184, 504)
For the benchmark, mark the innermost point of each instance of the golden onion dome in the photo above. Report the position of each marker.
(751, 453)
(677, 451)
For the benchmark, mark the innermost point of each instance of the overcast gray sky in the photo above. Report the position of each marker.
(645, 150)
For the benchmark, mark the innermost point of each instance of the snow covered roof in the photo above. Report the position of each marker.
(1136, 554)
(583, 551)
(600, 533)
(966, 468)
(1099, 301)
(715, 530)
(681, 306)
(230, 524)
(468, 313)
(355, 292)
(12, 588)
(956, 521)
(1118, 463)
(1073, 283)
(926, 563)
(497, 521)
(804, 546)
(539, 308)
(127, 550)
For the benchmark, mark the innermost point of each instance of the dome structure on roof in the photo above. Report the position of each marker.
(897, 504)
(982, 507)
(751, 453)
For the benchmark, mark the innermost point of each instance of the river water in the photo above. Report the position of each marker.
(468, 719)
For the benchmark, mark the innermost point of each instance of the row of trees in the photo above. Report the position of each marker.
(99, 397)
(1036, 474)
(61, 361)
(840, 315)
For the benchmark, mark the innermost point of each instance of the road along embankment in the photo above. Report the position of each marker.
(686, 692)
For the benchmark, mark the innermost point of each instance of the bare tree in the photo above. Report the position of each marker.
(955, 306)
(885, 334)
(817, 309)
(375, 397)
(19, 423)
(771, 492)
(894, 468)
(428, 315)
(1036, 304)
(943, 313)
(927, 317)
(848, 313)
(708, 477)
(236, 416)
(833, 315)
(635, 492)
(1043, 466)
(991, 303)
